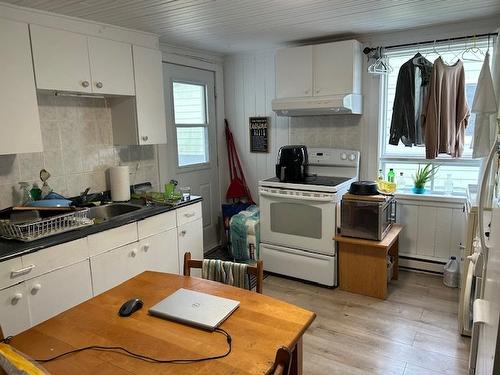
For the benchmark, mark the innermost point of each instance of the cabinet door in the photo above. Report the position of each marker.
(190, 239)
(59, 290)
(159, 252)
(337, 68)
(14, 311)
(151, 124)
(61, 60)
(294, 72)
(111, 67)
(115, 267)
(19, 121)
(408, 217)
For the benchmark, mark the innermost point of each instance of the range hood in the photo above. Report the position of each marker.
(319, 105)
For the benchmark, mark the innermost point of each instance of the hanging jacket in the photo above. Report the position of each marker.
(405, 123)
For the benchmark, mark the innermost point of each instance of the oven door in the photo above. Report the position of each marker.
(298, 219)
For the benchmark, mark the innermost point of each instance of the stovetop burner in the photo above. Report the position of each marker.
(316, 180)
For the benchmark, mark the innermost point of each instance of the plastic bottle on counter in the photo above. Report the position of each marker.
(401, 181)
(380, 176)
(451, 274)
(448, 185)
(391, 175)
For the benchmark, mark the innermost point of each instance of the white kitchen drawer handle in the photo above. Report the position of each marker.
(36, 287)
(133, 253)
(189, 214)
(22, 271)
(15, 298)
(145, 248)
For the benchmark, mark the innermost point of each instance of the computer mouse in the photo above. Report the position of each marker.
(131, 306)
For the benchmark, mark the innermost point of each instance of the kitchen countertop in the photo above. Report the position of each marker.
(12, 248)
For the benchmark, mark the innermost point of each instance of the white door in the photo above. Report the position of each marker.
(61, 59)
(111, 67)
(191, 157)
(14, 311)
(294, 72)
(59, 290)
(159, 252)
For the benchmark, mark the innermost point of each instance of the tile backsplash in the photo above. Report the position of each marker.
(78, 150)
(338, 131)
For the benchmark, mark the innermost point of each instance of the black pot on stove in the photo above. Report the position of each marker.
(291, 164)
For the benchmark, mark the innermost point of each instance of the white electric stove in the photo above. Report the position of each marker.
(299, 220)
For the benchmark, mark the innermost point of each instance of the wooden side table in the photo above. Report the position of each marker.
(363, 263)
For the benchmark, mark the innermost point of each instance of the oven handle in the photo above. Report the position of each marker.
(297, 197)
(297, 252)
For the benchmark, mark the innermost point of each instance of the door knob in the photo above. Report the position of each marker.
(36, 287)
(99, 85)
(15, 298)
(85, 83)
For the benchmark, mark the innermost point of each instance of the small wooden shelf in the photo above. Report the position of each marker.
(363, 263)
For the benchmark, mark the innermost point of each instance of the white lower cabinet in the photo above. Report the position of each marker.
(14, 311)
(159, 252)
(59, 290)
(114, 267)
(190, 240)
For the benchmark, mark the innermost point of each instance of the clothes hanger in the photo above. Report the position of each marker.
(381, 65)
(473, 53)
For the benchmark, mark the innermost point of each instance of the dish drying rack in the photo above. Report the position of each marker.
(42, 228)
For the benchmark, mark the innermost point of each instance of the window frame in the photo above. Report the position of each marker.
(386, 157)
(195, 166)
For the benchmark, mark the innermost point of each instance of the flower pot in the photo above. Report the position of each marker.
(418, 190)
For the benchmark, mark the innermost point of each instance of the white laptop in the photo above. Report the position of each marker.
(194, 308)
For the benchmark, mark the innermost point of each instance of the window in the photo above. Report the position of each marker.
(191, 123)
(462, 171)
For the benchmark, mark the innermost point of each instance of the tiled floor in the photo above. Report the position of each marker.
(413, 332)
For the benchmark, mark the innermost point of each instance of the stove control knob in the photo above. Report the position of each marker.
(352, 157)
(343, 156)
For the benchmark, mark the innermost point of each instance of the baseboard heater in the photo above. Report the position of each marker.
(419, 264)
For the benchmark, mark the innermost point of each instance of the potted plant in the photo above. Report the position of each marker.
(423, 176)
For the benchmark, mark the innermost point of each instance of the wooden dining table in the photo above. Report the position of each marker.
(258, 328)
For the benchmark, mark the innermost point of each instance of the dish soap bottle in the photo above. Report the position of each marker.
(36, 192)
(391, 175)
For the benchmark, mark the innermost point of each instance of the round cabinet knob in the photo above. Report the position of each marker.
(145, 137)
(145, 248)
(183, 233)
(352, 157)
(343, 156)
(15, 298)
(306, 92)
(318, 91)
(36, 287)
(133, 253)
(85, 83)
(99, 85)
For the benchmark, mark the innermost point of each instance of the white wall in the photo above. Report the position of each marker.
(250, 87)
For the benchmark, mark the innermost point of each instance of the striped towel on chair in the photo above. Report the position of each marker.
(225, 272)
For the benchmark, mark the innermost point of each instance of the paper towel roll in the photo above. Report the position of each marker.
(120, 183)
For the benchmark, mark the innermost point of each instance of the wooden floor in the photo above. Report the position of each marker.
(413, 332)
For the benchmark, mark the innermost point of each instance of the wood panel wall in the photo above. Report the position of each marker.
(249, 87)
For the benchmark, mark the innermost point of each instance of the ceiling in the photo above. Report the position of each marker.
(226, 26)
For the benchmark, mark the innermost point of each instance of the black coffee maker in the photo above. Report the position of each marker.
(291, 164)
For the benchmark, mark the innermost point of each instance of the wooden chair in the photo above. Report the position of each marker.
(282, 362)
(257, 270)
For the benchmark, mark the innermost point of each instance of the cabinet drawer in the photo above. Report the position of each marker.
(55, 257)
(110, 239)
(156, 224)
(11, 272)
(188, 214)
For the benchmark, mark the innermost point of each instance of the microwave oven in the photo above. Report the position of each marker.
(367, 217)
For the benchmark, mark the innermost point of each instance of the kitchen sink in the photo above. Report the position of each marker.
(110, 211)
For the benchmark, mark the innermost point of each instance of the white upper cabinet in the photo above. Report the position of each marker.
(148, 71)
(294, 68)
(61, 60)
(19, 120)
(337, 68)
(111, 67)
(67, 61)
(319, 70)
